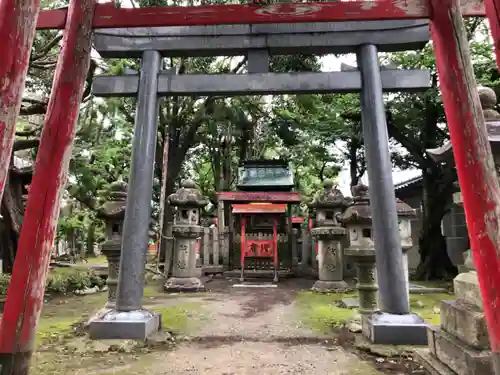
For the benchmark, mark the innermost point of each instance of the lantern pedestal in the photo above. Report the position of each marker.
(185, 274)
(367, 280)
(330, 259)
(125, 325)
(112, 250)
(393, 329)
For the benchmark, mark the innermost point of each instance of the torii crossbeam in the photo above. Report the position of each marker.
(20, 18)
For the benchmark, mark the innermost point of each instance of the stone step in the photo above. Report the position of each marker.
(458, 356)
(466, 322)
(431, 364)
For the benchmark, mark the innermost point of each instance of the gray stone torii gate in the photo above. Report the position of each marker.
(258, 42)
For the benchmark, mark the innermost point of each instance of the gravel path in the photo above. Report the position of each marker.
(255, 331)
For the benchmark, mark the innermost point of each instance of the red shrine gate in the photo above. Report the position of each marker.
(20, 18)
(260, 250)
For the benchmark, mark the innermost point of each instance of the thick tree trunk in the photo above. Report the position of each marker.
(437, 191)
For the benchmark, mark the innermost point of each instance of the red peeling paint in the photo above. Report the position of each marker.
(107, 16)
(493, 13)
(474, 161)
(18, 19)
(25, 295)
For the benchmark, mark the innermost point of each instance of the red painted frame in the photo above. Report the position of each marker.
(26, 290)
(107, 16)
(245, 243)
(472, 153)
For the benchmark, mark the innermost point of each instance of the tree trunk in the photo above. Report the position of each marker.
(437, 191)
(90, 240)
(12, 212)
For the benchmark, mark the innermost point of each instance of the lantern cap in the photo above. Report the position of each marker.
(188, 196)
(359, 212)
(114, 207)
(330, 197)
(404, 210)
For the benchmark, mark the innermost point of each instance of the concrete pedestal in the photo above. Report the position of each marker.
(330, 259)
(185, 274)
(125, 325)
(392, 329)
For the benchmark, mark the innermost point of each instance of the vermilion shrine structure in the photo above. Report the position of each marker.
(262, 209)
(364, 27)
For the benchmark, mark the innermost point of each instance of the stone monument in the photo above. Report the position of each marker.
(329, 233)
(358, 221)
(188, 201)
(461, 344)
(113, 213)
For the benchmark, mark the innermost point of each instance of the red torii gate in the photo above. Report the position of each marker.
(20, 18)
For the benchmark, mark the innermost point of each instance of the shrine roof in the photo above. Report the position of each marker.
(261, 208)
(260, 196)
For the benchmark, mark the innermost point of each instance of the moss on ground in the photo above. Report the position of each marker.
(428, 306)
(181, 318)
(321, 312)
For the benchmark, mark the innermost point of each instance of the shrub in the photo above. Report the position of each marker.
(61, 281)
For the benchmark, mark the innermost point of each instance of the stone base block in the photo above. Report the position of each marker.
(349, 303)
(466, 287)
(329, 286)
(466, 322)
(125, 325)
(184, 284)
(391, 329)
(430, 363)
(459, 357)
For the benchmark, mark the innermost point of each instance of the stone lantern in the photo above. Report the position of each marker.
(357, 219)
(113, 214)
(186, 230)
(329, 233)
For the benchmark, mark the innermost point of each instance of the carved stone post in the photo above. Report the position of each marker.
(188, 201)
(405, 215)
(113, 213)
(358, 221)
(329, 206)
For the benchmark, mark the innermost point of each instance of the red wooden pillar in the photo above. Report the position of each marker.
(17, 29)
(275, 242)
(474, 161)
(493, 14)
(25, 295)
(243, 246)
(243, 241)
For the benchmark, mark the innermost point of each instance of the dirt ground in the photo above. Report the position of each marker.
(224, 331)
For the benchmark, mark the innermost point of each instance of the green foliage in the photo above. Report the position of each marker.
(61, 281)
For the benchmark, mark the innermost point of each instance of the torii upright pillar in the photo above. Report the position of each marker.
(394, 324)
